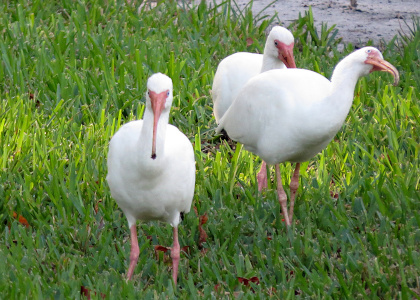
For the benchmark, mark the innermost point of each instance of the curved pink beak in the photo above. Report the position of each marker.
(380, 64)
(286, 54)
(158, 104)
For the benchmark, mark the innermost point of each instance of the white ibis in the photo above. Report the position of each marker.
(235, 70)
(292, 114)
(151, 168)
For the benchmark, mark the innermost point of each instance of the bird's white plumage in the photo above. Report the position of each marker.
(146, 188)
(292, 114)
(159, 83)
(234, 71)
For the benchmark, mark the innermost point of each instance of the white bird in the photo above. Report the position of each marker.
(292, 114)
(235, 70)
(151, 168)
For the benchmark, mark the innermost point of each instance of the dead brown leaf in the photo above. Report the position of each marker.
(203, 235)
(21, 219)
(84, 291)
(249, 42)
(246, 281)
(159, 248)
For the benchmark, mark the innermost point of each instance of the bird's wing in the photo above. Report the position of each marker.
(232, 74)
(179, 152)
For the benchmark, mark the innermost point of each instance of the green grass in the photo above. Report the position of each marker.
(72, 72)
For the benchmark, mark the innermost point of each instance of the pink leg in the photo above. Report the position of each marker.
(282, 196)
(294, 184)
(262, 177)
(175, 254)
(135, 251)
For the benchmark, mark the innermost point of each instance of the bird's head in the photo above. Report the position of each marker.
(158, 98)
(280, 44)
(374, 61)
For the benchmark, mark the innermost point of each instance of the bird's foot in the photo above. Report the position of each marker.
(262, 177)
(294, 185)
(175, 255)
(262, 183)
(134, 252)
(282, 197)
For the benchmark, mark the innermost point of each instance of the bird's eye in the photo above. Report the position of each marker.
(148, 93)
(368, 51)
(167, 94)
(276, 44)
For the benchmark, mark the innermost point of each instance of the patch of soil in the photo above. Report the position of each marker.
(376, 20)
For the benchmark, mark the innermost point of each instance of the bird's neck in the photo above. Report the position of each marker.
(343, 83)
(330, 114)
(146, 134)
(270, 62)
